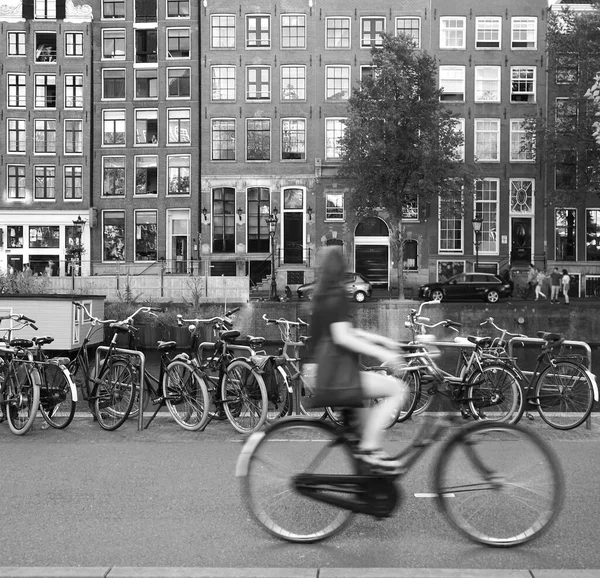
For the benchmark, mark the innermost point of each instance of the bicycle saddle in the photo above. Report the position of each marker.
(546, 336)
(24, 343)
(230, 335)
(166, 345)
(479, 341)
(42, 340)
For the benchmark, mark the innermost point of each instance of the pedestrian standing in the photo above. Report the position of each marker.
(555, 278)
(566, 282)
(531, 277)
(539, 283)
(507, 278)
(27, 272)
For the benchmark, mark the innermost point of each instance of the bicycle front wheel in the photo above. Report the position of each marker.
(564, 395)
(57, 395)
(279, 396)
(495, 394)
(268, 466)
(186, 395)
(22, 398)
(413, 383)
(498, 484)
(244, 396)
(114, 394)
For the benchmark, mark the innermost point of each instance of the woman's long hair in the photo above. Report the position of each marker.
(331, 276)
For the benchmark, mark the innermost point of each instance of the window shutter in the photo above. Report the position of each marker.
(60, 9)
(27, 7)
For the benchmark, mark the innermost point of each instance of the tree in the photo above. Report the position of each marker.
(400, 143)
(565, 139)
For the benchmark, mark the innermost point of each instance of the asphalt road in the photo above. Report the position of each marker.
(167, 497)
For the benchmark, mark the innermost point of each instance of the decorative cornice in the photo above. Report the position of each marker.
(78, 11)
(11, 11)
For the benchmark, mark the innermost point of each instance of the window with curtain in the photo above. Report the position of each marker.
(223, 220)
(259, 206)
(486, 207)
(566, 234)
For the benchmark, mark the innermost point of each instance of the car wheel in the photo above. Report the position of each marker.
(437, 295)
(359, 296)
(492, 296)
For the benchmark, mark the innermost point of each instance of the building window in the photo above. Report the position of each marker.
(146, 126)
(45, 183)
(565, 170)
(522, 142)
(452, 32)
(334, 131)
(337, 32)
(459, 128)
(178, 42)
(44, 237)
(73, 90)
(410, 255)
(566, 113)
(178, 8)
(337, 82)
(113, 84)
(113, 170)
(293, 139)
(223, 82)
(16, 135)
(45, 91)
(258, 31)
(45, 9)
(45, 47)
(17, 90)
(73, 44)
(452, 82)
(73, 136)
(113, 44)
(73, 185)
(179, 126)
(16, 44)
(566, 234)
(410, 207)
(145, 11)
(486, 206)
(567, 69)
(523, 34)
(16, 181)
(521, 196)
(178, 81)
(487, 139)
(113, 9)
(522, 84)
(410, 27)
(113, 127)
(178, 167)
(293, 31)
(334, 207)
(487, 84)
(222, 31)
(145, 235)
(592, 235)
(146, 83)
(451, 226)
(15, 237)
(113, 235)
(45, 136)
(371, 30)
(223, 140)
(293, 83)
(258, 83)
(259, 203)
(223, 213)
(258, 139)
(488, 32)
(146, 175)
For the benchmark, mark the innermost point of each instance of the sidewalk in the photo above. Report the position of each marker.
(157, 572)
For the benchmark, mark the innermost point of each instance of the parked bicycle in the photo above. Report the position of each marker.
(302, 481)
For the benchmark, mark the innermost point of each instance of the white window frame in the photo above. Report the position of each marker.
(269, 41)
(262, 68)
(114, 99)
(301, 89)
(189, 167)
(459, 225)
(518, 137)
(489, 242)
(80, 144)
(480, 130)
(378, 40)
(20, 43)
(79, 91)
(481, 82)
(301, 146)
(212, 27)
(20, 129)
(342, 79)
(331, 215)
(460, 127)
(521, 198)
(189, 38)
(142, 159)
(516, 28)
(281, 28)
(172, 115)
(417, 41)
(74, 35)
(533, 93)
(228, 79)
(328, 46)
(17, 90)
(145, 114)
(191, 85)
(105, 33)
(483, 26)
(455, 37)
(118, 115)
(456, 75)
(212, 140)
(334, 129)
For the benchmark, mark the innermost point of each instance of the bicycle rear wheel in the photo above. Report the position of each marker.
(185, 395)
(268, 465)
(244, 396)
(279, 396)
(564, 395)
(496, 394)
(114, 394)
(22, 397)
(57, 395)
(498, 484)
(406, 410)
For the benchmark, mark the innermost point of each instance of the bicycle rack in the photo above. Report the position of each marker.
(142, 365)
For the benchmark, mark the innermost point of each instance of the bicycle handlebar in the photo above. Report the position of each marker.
(490, 321)
(282, 321)
(93, 320)
(26, 321)
(224, 320)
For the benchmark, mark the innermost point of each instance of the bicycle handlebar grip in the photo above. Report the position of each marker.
(423, 319)
(453, 323)
(27, 319)
(232, 311)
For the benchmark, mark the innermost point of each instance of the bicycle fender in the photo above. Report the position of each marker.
(69, 379)
(241, 467)
(594, 384)
(288, 385)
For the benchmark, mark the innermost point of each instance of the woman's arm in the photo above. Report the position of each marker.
(362, 342)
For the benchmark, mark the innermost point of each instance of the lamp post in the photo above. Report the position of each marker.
(79, 223)
(477, 224)
(271, 220)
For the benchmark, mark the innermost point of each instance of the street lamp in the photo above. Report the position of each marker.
(79, 223)
(477, 224)
(271, 220)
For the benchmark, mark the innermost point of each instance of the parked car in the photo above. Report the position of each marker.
(465, 286)
(356, 285)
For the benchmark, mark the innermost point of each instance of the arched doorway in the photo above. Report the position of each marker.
(372, 251)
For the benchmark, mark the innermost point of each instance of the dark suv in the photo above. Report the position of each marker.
(356, 285)
(465, 286)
